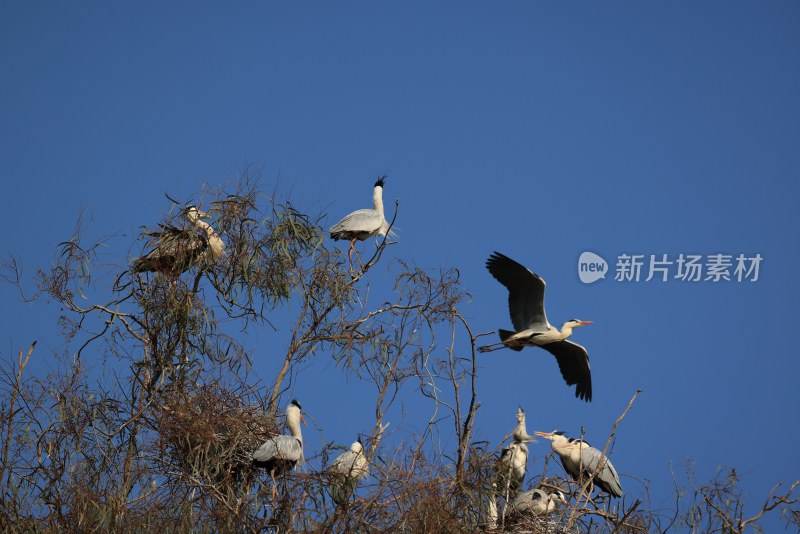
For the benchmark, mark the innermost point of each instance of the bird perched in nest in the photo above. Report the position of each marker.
(349, 468)
(178, 249)
(513, 462)
(536, 502)
(280, 454)
(363, 224)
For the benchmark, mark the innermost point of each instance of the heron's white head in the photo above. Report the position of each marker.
(194, 214)
(558, 497)
(357, 447)
(575, 323)
(557, 437)
(520, 415)
(561, 443)
(294, 414)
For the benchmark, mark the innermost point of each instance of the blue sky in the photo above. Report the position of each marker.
(540, 130)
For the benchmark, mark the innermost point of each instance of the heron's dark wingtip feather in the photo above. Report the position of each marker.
(496, 258)
(584, 394)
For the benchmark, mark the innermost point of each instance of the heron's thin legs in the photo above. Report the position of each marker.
(492, 347)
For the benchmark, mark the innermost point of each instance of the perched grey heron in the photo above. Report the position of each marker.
(511, 467)
(513, 462)
(178, 249)
(526, 304)
(363, 224)
(280, 454)
(536, 502)
(581, 461)
(347, 470)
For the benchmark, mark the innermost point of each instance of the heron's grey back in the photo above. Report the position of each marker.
(360, 221)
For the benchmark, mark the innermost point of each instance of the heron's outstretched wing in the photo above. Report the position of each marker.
(525, 292)
(607, 479)
(573, 361)
(358, 225)
(287, 448)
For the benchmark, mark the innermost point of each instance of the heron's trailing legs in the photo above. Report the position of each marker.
(492, 346)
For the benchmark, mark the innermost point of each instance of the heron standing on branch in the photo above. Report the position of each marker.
(582, 461)
(178, 249)
(513, 462)
(349, 468)
(280, 454)
(526, 304)
(363, 224)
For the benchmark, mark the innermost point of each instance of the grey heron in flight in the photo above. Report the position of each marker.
(347, 471)
(526, 304)
(536, 502)
(280, 454)
(363, 224)
(513, 462)
(581, 461)
(178, 249)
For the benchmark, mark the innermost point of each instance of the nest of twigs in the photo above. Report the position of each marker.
(212, 433)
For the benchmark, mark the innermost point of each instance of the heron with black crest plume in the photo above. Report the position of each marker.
(526, 305)
(178, 249)
(280, 454)
(364, 223)
(582, 462)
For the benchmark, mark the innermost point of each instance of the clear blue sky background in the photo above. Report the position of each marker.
(537, 129)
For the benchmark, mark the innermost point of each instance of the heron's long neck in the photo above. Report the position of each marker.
(377, 199)
(293, 424)
(559, 448)
(566, 331)
(207, 228)
(214, 241)
(520, 432)
(294, 427)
